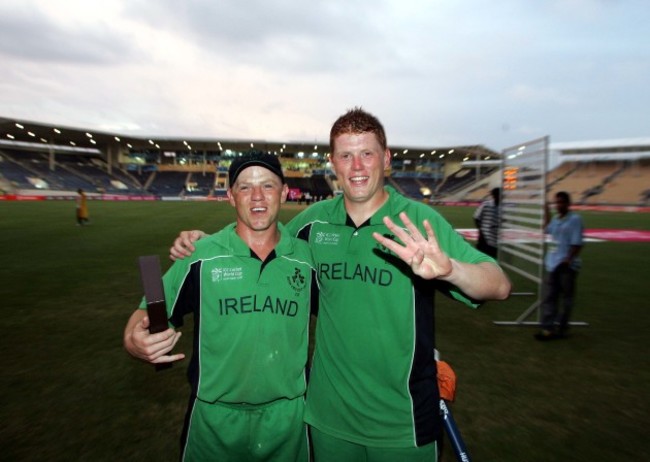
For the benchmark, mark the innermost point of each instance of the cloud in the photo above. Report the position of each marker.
(439, 72)
(530, 94)
(313, 36)
(33, 36)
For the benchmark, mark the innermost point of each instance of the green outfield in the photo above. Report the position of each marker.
(70, 392)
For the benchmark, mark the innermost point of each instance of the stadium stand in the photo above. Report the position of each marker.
(316, 186)
(321, 186)
(463, 178)
(15, 172)
(479, 193)
(55, 177)
(44, 157)
(628, 185)
(142, 176)
(201, 184)
(560, 173)
(409, 186)
(168, 183)
(586, 179)
(70, 172)
(95, 171)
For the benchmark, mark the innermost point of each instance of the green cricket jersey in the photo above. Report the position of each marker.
(373, 379)
(251, 318)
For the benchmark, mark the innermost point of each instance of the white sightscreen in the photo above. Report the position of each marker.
(521, 235)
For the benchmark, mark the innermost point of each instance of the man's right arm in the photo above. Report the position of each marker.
(184, 244)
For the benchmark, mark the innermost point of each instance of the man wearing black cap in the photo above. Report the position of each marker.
(249, 288)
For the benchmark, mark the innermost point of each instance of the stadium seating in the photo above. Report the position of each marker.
(409, 186)
(602, 182)
(457, 180)
(480, 193)
(200, 184)
(15, 172)
(584, 180)
(168, 183)
(316, 185)
(628, 186)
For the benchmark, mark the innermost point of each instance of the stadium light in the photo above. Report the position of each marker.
(57, 131)
(117, 138)
(19, 126)
(10, 136)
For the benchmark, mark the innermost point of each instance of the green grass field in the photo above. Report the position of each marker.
(70, 392)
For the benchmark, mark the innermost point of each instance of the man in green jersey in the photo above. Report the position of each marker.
(249, 288)
(373, 394)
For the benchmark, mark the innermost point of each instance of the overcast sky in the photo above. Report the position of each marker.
(436, 72)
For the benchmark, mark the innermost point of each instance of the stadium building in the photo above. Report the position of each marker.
(51, 160)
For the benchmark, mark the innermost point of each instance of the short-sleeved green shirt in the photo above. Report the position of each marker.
(373, 378)
(251, 318)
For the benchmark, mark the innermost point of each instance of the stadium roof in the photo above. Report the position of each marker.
(26, 131)
(639, 144)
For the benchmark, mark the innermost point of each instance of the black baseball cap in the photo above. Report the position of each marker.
(267, 161)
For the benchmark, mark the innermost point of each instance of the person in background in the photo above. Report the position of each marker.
(82, 207)
(373, 394)
(249, 288)
(562, 263)
(487, 219)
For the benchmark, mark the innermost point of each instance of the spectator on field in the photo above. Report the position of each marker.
(81, 207)
(562, 263)
(487, 219)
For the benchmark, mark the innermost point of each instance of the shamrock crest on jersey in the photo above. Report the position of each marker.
(297, 281)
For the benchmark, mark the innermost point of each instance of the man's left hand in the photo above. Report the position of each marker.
(423, 255)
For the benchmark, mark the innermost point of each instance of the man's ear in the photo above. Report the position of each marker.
(387, 158)
(285, 193)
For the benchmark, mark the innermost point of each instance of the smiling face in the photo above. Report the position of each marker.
(359, 161)
(257, 195)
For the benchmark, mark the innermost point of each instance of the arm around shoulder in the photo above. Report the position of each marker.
(183, 245)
